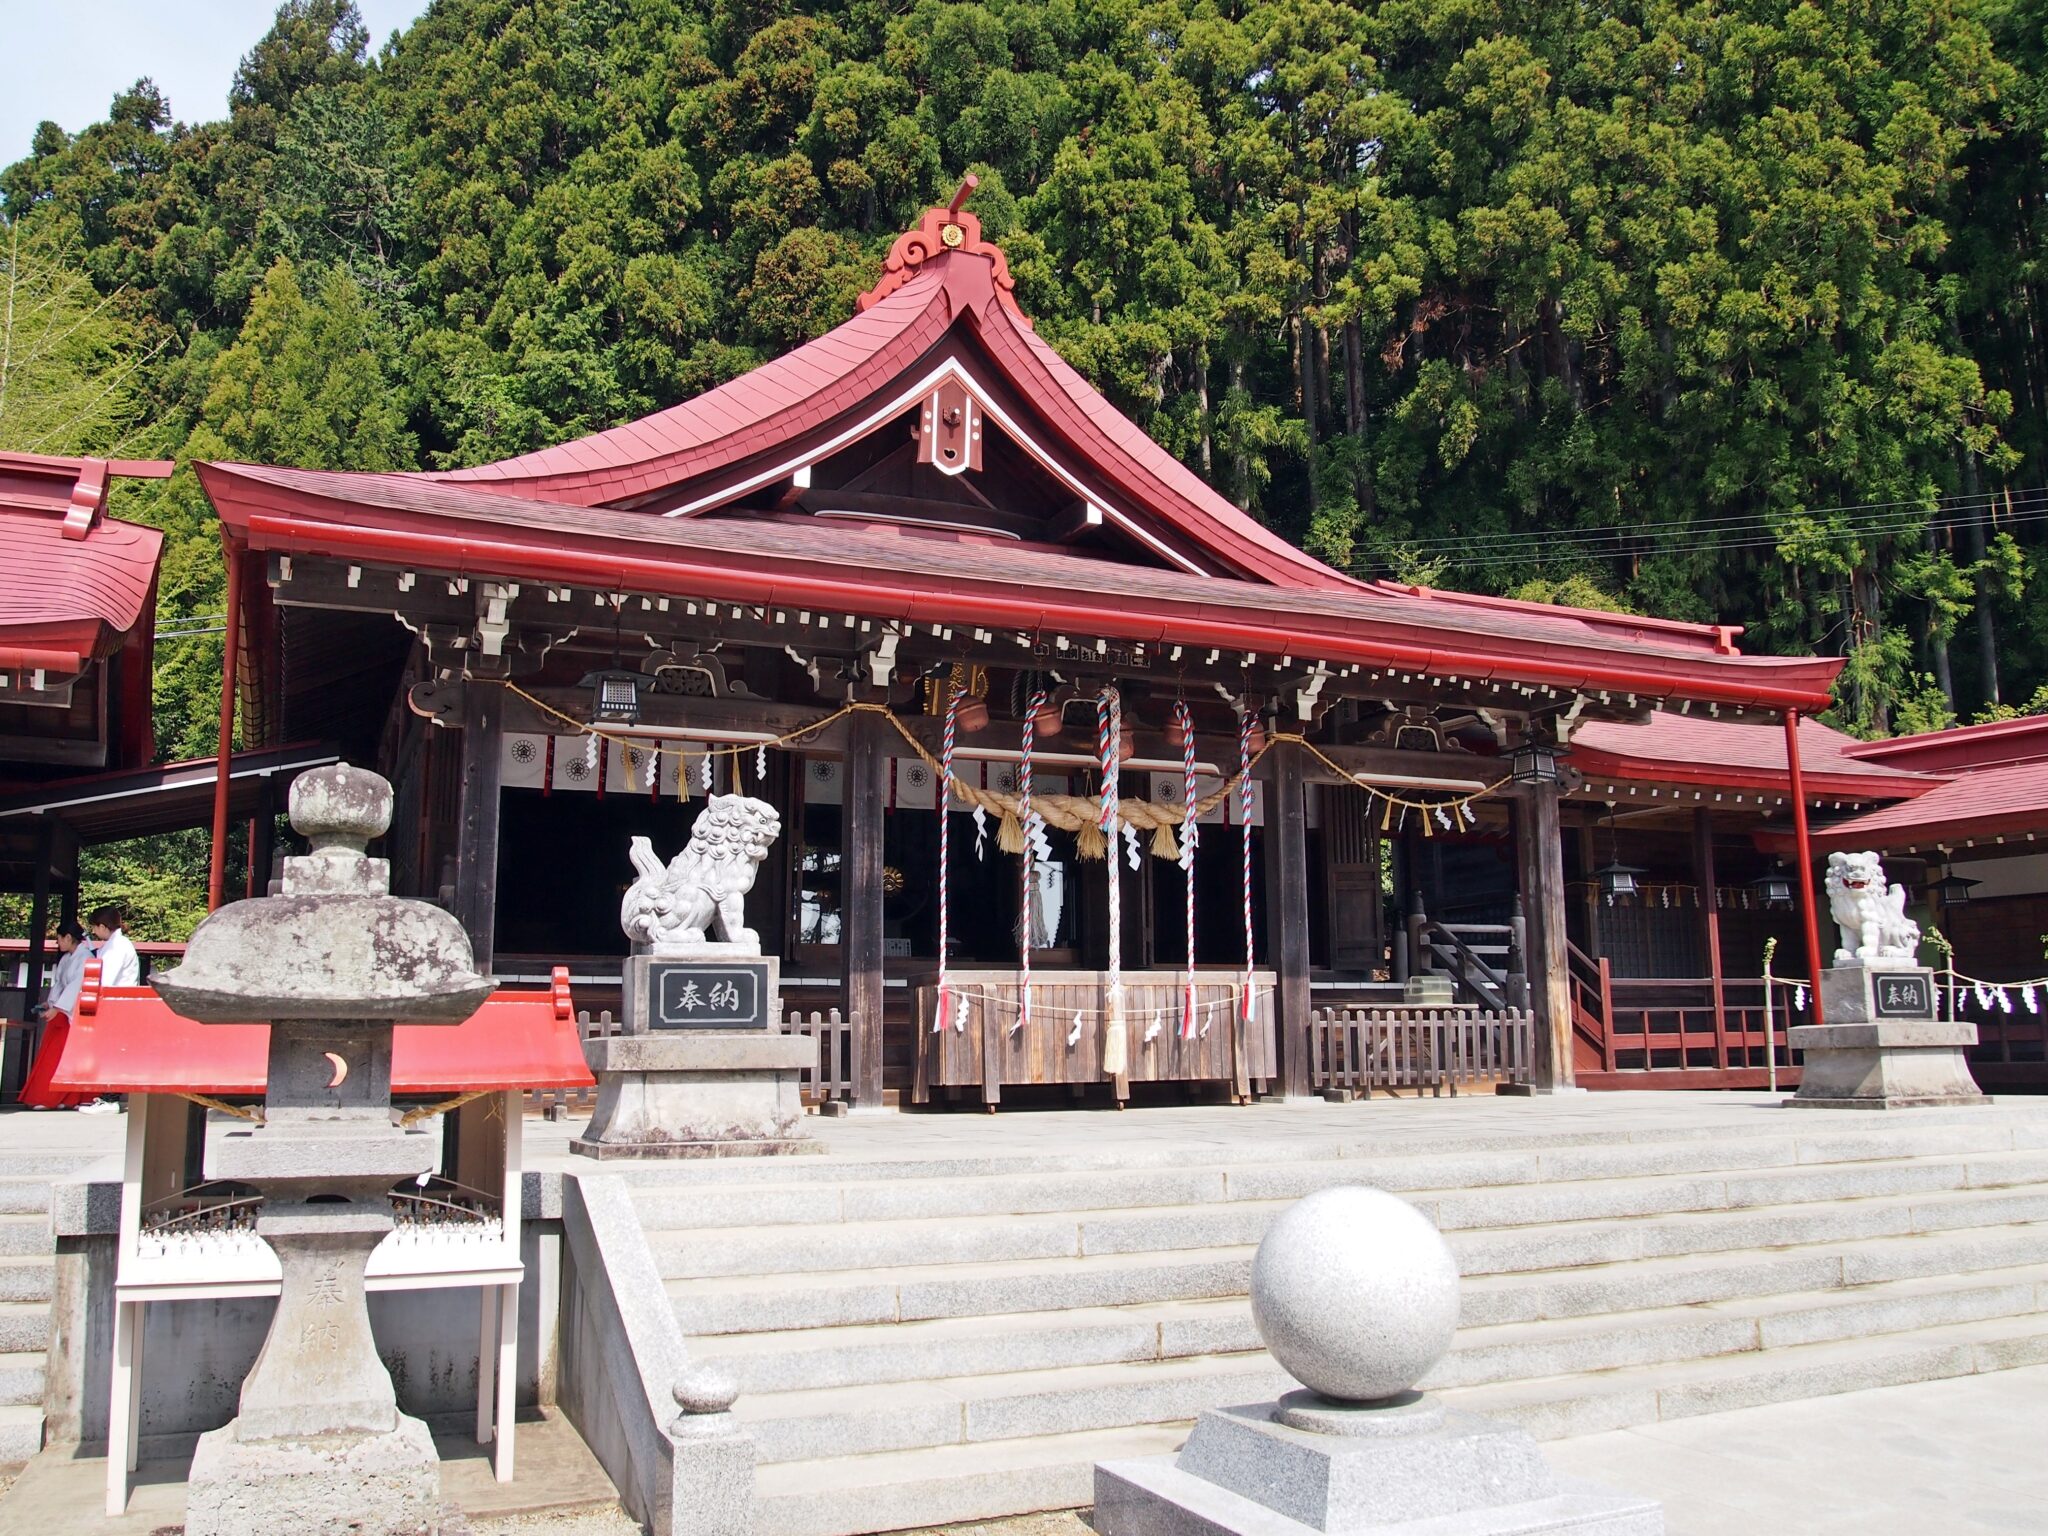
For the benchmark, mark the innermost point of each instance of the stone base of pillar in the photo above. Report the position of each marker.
(323, 1485)
(1306, 1466)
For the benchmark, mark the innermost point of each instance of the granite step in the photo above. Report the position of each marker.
(1460, 1157)
(1554, 1407)
(908, 1293)
(25, 1236)
(856, 1421)
(1490, 1230)
(24, 1196)
(24, 1325)
(791, 1303)
(946, 1350)
(1553, 1185)
(21, 1379)
(941, 1485)
(21, 1433)
(28, 1277)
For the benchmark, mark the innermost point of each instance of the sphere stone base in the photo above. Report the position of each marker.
(322, 1485)
(1244, 1472)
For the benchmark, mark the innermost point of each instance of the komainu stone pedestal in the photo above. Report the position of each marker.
(702, 1068)
(1881, 1046)
(1308, 1464)
(320, 1485)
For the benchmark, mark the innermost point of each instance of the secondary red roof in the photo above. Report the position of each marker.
(73, 582)
(2024, 740)
(1980, 804)
(127, 1040)
(405, 520)
(1697, 749)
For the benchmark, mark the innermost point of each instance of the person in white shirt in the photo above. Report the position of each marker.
(120, 966)
(72, 953)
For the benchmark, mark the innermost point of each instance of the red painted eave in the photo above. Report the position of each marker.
(132, 1042)
(401, 521)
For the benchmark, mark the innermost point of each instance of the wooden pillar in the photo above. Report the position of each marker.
(262, 837)
(476, 837)
(39, 911)
(224, 744)
(1588, 862)
(860, 901)
(1710, 910)
(1539, 858)
(1804, 842)
(1287, 909)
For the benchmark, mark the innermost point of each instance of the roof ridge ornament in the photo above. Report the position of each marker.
(946, 231)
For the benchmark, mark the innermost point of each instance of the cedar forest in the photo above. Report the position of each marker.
(1714, 309)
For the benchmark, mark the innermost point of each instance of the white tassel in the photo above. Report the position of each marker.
(1443, 819)
(2005, 1000)
(589, 750)
(1131, 854)
(761, 762)
(2030, 998)
(980, 831)
(1799, 998)
(962, 1005)
(706, 773)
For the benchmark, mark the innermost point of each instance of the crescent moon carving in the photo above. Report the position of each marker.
(340, 1070)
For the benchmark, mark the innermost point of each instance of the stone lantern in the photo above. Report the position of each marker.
(332, 963)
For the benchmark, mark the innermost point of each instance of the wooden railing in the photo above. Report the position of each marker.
(829, 1079)
(1676, 1029)
(1356, 1050)
(1467, 953)
(1590, 983)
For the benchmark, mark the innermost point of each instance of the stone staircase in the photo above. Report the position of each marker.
(27, 1275)
(962, 1337)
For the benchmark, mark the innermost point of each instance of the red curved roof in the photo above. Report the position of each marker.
(71, 580)
(473, 531)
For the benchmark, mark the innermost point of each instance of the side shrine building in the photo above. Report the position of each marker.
(981, 641)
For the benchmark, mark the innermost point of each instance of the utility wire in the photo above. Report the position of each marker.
(1887, 513)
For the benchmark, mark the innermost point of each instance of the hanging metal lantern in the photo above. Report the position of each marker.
(1536, 762)
(1773, 888)
(1952, 888)
(614, 696)
(1618, 881)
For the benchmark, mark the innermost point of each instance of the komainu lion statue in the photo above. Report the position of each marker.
(705, 885)
(1870, 912)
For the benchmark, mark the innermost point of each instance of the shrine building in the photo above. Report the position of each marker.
(922, 548)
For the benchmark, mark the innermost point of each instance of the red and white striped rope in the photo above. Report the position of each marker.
(1185, 725)
(947, 737)
(1244, 816)
(1109, 729)
(1030, 818)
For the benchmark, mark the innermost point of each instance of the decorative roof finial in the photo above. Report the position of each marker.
(950, 230)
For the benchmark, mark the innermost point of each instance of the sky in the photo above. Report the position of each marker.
(64, 60)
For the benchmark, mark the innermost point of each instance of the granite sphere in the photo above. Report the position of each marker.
(1355, 1292)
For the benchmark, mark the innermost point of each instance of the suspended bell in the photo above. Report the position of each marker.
(1048, 719)
(1179, 729)
(973, 714)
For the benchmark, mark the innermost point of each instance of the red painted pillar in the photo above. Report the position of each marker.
(1805, 854)
(224, 753)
